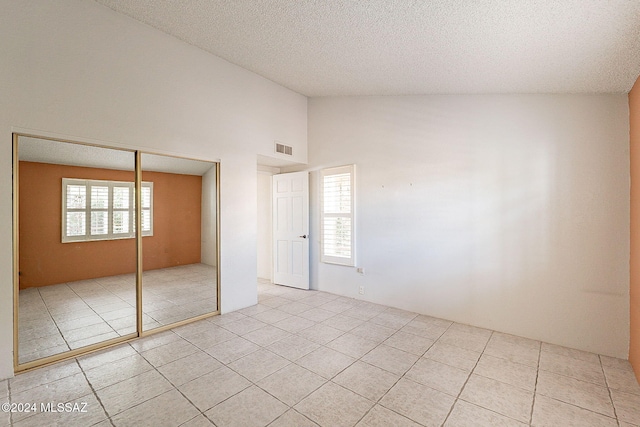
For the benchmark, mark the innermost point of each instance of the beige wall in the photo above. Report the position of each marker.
(634, 125)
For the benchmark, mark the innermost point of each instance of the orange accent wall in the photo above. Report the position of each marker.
(45, 260)
(634, 126)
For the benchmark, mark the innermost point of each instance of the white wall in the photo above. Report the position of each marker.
(265, 243)
(80, 70)
(208, 247)
(505, 212)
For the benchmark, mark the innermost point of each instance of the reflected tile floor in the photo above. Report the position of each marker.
(308, 358)
(56, 318)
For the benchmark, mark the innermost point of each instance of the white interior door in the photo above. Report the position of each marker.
(291, 229)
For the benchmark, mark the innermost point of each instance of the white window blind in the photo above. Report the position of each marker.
(337, 220)
(103, 210)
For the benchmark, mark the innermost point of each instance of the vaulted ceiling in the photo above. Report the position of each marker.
(397, 47)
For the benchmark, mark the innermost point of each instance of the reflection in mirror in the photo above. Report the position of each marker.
(179, 278)
(77, 249)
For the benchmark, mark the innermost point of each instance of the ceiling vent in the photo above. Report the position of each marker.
(284, 149)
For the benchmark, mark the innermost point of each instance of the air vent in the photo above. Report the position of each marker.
(284, 149)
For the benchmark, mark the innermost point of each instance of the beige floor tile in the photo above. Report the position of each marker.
(275, 302)
(291, 384)
(325, 362)
(549, 412)
(390, 359)
(343, 323)
(210, 389)
(367, 380)
(465, 414)
(426, 327)
(188, 368)
(83, 411)
(117, 370)
(332, 405)
(244, 325)
(574, 368)
(168, 409)
(569, 390)
(293, 347)
(169, 352)
(410, 343)
(627, 406)
(439, 376)
(373, 332)
(251, 407)
(506, 371)
(294, 307)
(570, 352)
(65, 389)
(294, 324)
(271, 316)
(466, 340)
(31, 379)
(418, 402)
(209, 336)
(198, 421)
(254, 309)
(293, 418)
(317, 314)
(266, 336)
(320, 333)
(133, 391)
(233, 349)
(513, 349)
(622, 379)
(379, 416)
(393, 319)
(453, 356)
(155, 340)
(505, 399)
(614, 362)
(352, 345)
(258, 365)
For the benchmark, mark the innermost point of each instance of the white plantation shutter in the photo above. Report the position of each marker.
(103, 210)
(337, 212)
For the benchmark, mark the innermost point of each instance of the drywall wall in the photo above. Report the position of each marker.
(505, 212)
(209, 211)
(634, 292)
(79, 70)
(265, 244)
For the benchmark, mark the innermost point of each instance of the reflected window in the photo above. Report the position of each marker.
(103, 210)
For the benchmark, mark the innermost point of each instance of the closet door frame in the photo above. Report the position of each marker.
(140, 333)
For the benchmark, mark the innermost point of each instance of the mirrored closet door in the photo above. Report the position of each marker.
(77, 249)
(179, 248)
(78, 282)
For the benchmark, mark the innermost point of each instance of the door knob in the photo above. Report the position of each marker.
(304, 236)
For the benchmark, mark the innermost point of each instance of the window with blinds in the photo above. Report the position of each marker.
(103, 210)
(337, 211)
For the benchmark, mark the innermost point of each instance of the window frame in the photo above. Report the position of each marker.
(332, 259)
(110, 235)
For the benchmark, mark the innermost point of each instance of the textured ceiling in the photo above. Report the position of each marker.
(394, 47)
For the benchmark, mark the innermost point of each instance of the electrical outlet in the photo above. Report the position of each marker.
(361, 289)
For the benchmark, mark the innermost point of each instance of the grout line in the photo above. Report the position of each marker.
(457, 398)
(535, 387)
(94, 392)
(606, 381)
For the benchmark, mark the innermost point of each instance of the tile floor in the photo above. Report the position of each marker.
(56, 318)
(306, 358)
